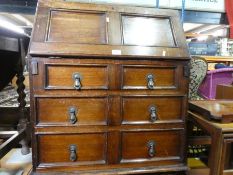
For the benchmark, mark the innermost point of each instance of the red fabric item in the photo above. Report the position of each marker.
(229, 11)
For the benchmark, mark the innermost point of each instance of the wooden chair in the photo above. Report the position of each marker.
(13, 137)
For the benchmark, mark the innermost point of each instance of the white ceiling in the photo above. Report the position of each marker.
(26, 22)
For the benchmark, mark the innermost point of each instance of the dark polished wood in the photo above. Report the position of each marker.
(108, 94)
(221, 134)
(155, 31)
(221, 110)
(224, 91)
(135, 146)
(107, 31)
(90, 148)
(136, 110)
(61, 76)
(55, 111)
(135, 77)
(90, 22)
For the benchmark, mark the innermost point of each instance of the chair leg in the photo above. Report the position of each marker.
(22, 125)
(25, 149)
(23, 122)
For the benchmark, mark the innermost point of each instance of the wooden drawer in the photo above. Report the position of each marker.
(80, 149)
(151, 146)
(149, 77)
(72, 111)
(152, 109)
(76, 76)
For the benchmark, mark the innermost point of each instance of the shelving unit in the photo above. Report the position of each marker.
(217, 59)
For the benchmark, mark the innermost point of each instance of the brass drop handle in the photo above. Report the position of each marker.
(153, 113)
(73, 150)
(77, 81)
(150, 81)
(72, 115)
(151, 148)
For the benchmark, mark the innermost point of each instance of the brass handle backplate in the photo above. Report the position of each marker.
(77, 81)
(150, 81)
(73, 152)
(151, 148)
(72, 115)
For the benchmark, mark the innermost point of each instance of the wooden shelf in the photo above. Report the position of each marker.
(195, 35)
(217, 58)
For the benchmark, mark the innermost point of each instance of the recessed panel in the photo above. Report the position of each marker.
(147, 31)
(136, 145)
(72, 111)
(72, 76)
(77, 27)
(138, 77)
(149, 110)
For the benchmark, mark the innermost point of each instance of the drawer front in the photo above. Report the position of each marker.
(72, 111)
(76, 77)
(146, 110)
(151, 146)
(77, 148)
(149, 77)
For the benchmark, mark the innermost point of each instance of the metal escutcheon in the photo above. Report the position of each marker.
(151, 148)
(150, 81)
(72, 115)
(73, 150)
(153, 113)
(77, 81)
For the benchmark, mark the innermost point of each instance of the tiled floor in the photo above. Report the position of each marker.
(14, 163)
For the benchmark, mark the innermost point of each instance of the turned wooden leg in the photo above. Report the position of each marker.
(23, 122)
(22, 125)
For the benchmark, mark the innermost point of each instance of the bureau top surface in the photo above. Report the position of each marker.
(64, 28)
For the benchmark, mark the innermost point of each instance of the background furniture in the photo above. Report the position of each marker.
(9, 52)
(101, 84)
(198, 69)
(220, 160)
(212, 79)
(218, 59)
(224, 91)
(12, 51)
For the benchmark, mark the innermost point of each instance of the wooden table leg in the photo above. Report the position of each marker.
(216, 142)
(215, 152)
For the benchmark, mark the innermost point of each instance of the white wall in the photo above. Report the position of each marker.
(199, 5)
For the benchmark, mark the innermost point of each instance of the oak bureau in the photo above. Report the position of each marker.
(108, 89)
